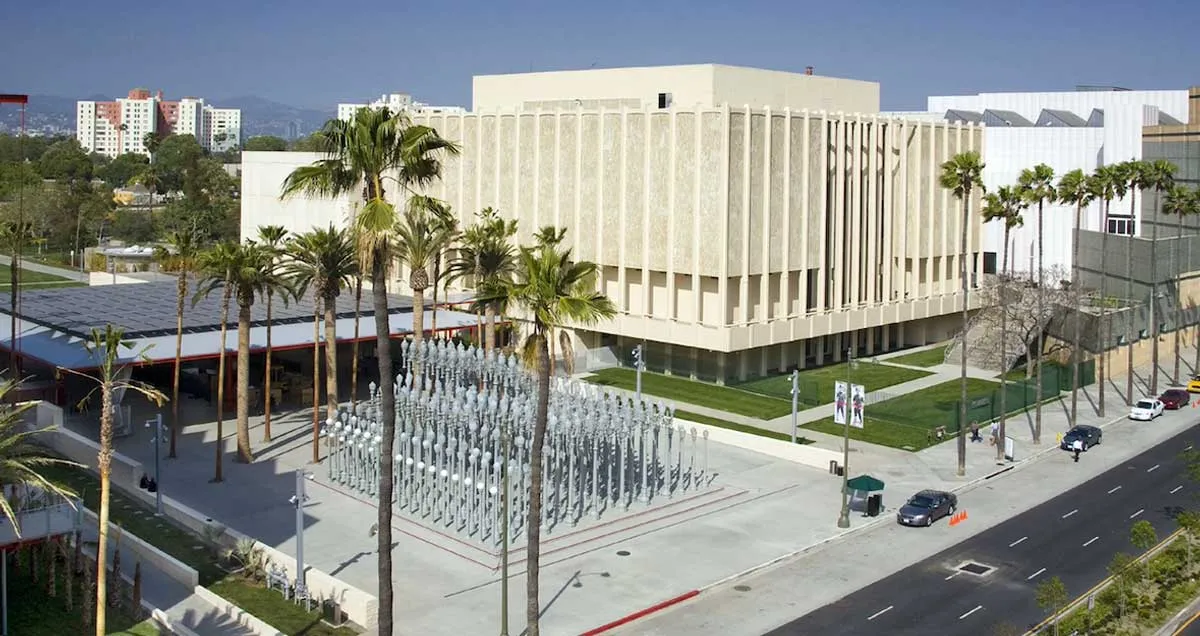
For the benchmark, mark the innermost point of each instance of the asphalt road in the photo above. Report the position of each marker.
(1191, 627)
(1073, 536)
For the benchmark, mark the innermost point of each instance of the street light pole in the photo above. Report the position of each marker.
(298, 500)
(157, 441)
(844, 518)
(639, 363)
(795, 401)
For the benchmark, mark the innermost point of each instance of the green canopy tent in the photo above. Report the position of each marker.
(860, 488)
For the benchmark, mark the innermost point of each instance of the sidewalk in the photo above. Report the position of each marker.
(63, 272)
(1183, 619)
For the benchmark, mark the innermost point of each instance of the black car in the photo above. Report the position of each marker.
(925, 507)
(1090, 435)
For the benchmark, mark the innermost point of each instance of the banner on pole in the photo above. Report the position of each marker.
(858, 403)
(841, 398)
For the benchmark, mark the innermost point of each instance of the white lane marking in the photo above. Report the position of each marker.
(880, 613)
(1176, 489)
(1114, 490)
(1152, 468)
(977, 608)
(1189, 447)
(1034, 575)
(1070, 513)
(1137, 513)
(953, 575)
(1014, 543)
(1091, 541)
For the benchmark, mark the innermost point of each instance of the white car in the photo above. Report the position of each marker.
(1146, 409)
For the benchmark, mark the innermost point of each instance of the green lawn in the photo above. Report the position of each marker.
(730, 400)
(741, 428)
(138, 519)
(922, 411)
(33, 612)
(31, 280)
(928, 358)
(816, 385)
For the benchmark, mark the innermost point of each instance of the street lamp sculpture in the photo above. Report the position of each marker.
(462, 446)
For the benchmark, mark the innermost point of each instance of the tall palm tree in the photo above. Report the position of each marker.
(272, 238)
(105, 346)
(180, 256)
(1108, 183)
(1134, 174)
(1004, 205)
(359, 155)
(216, 272)
(1037, 184)
(253, 273)
(418, 242)
(1073, 189)
(21, 457)
(358, 289)
(446, 232)
(486, 255)
(549, 235)
(961, 175)
(1160, 178)
(551, 289)
(1180, 202)
(322, 261)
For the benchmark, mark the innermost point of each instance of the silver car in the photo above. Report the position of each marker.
(925, 507)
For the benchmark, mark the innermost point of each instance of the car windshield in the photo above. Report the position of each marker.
(1145, 404)
(1077, 432)
(921, 501)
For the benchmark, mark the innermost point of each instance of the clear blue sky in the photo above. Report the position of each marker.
(314, 54)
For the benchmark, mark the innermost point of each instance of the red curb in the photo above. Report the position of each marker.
(642, 614)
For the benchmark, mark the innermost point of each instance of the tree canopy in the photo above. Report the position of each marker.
(265, 143)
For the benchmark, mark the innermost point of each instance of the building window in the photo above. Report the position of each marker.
(664, 100)
(1122, 226)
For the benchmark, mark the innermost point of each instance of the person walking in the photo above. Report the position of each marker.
(975, 437)
(1077, 446)
(995, 433)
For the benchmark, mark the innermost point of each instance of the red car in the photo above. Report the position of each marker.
(1174, 399)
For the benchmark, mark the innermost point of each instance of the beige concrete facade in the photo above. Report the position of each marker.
(736, 241)
(686, 86)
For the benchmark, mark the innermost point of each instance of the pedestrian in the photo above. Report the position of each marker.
(1077, 446)
(975, 437)
(995, 433)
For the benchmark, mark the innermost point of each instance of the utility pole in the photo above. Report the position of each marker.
(795, 401)
(844, 517)
(157, 422)
(639, 363)
(298, 500)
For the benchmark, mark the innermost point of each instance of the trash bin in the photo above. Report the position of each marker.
(331, 613)
(874, 505)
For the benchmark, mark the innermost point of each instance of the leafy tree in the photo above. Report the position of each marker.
(1118, 569)
(961, 175)
(151, 142)
(133, 226)
(66, 161)
(311, 143)
(359, 156)
(1189, 522)
(120, 172)
(265, 143)
(1037, 186)
(1143, 537)
(1051, 596)
(1073, 189)
(21, 457)
(16, 178)
(14, 148)
(1005, 205)
(251, 273)
(445, 233)
(552, 289)
(105, 346)
(418, 242)
(179, 255)
(176, 155)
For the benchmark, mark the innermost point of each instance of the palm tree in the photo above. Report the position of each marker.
(548, 235)
(446, 232)
(358, 289)
(105, 348)
(1180, 202)
(21, 456)
(1073, 188)
(1134, 174)
(322, 260)
(272, 238)
(418, 242)
(1160, 177)
(1004, 205)
(961, 175)
(253, 273)
(487, 256)
(1107, 183)
(1037, 184)
(216, 270)
(359, 155)
(551, 289)
(179, 255)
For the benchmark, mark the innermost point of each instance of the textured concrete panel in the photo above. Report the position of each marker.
(507, 196)
(712, 206)
(737, 191)
(686, 205)
(658, 200)
(543, 186)
(566, 180)
(610, 226)
(758, 175)
(635, 188)
(778, 176)
(589, 216)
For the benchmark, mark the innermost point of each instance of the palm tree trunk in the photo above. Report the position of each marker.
(104, 462)
(437, 274)
(533, 531)
(489, 335)
(1041, 330)
(1105, 326)
(243, 385)
(1154, 317)
(1003, 346)
(267, 381)
(14, 267)
(418, 331)
(553, 355)
(1178, 298)
(1078, 352)
(1129, 299)
(316, 378)
(219, 476)
(387, 409)
(180, 294)
(354, 345)
(331, 368)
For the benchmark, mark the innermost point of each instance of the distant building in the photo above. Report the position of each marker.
(119, 127)
(395, 102)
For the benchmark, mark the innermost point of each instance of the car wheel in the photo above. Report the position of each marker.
(950, 512)
(928, 521)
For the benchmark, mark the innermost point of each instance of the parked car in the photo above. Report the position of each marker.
(925, 507)
(1146, 409)
(1174, 399)
(1193, 385)
(1089, 434)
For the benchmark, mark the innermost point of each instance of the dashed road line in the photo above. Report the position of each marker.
(1176, 489)
(977, 608)
(1017, 542)
(880, 613)
(1070, 513)
(1137, 513)
(1114, 490)
(1091, 541)
(1034, 575)
(1152, 468)
(953, 575)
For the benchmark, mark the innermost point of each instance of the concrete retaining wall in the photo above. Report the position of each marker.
(126, 473)
(243, 618)
(149, 554)
(799, 453)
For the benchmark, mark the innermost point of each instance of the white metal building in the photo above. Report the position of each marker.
(1067, 130)
(395, 102)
